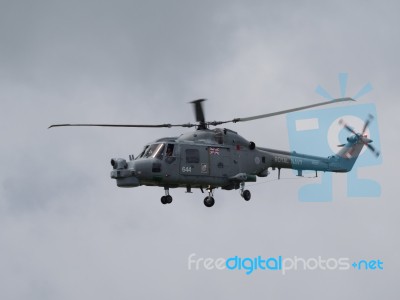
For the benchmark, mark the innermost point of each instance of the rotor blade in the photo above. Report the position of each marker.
(341, 145)
(198, 109)
(289, 110)
(372, 148)
(370, 118)
(349, 129)
(125, 125)
(341, 122)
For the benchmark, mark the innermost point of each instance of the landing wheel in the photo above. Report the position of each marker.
(246, 195)
(166, 199)
(209, 201)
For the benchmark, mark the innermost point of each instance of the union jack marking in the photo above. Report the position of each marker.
(214, 151)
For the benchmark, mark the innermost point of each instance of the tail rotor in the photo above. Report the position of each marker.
(360, 137)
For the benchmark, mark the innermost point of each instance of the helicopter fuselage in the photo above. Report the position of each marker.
(210, 159)
(203, 158)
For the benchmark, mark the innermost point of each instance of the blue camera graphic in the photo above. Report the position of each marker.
(318, 132)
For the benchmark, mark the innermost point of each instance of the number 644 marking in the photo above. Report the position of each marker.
(186, 169)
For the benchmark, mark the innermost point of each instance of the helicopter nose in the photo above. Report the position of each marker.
(119, 163)
(123, 173)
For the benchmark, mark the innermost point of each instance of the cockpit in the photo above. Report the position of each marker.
(159, 151)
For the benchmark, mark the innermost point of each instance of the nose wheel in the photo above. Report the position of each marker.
(244, 193)
(167, 199)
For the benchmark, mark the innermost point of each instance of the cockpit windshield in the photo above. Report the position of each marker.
(143, 151)
(154, 150)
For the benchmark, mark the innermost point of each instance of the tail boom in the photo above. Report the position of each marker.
(341, 162)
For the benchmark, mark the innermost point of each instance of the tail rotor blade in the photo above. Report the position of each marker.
(341, 122)
(372, 148)
(370, 118)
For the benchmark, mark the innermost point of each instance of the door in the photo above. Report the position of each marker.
(194, 160)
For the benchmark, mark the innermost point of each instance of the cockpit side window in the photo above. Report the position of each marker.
(169, 154)
(170, 150)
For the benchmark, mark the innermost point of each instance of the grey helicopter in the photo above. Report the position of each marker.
(220, 158)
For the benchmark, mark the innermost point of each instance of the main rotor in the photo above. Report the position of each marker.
(203, 124)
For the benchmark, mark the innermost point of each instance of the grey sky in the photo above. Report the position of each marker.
(67, 231)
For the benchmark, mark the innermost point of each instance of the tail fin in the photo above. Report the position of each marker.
(348, 155)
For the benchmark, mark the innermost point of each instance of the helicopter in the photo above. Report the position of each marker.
(220, 158)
